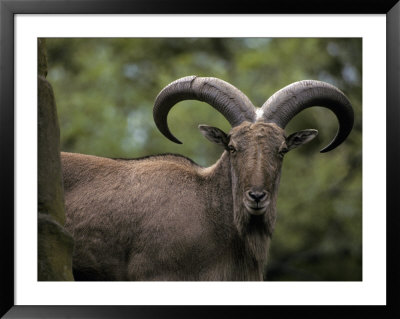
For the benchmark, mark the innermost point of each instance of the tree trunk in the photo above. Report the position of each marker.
(55, 244)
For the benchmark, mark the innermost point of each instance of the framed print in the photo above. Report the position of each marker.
(355, 52)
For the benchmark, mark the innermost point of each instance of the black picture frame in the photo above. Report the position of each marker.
(8, 10)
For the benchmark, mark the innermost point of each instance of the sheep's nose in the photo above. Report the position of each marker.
(256, 196)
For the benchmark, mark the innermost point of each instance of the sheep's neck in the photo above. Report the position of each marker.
(249, 236)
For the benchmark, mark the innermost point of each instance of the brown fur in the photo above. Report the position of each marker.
(166, 218)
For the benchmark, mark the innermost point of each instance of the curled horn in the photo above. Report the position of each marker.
(234, 105)
(281, 107)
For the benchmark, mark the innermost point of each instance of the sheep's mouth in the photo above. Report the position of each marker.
(256, 208)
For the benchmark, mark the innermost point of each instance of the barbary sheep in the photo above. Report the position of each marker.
(165, 218)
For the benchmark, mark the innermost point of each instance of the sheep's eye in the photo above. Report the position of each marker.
(231, 149)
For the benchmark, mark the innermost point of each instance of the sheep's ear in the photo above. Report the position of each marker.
(214, 135)
(300, 138)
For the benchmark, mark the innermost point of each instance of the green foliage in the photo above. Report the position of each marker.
(105, 89)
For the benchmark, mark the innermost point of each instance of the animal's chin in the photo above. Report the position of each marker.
(256, 208)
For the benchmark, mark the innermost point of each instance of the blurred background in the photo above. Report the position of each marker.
(105, 89)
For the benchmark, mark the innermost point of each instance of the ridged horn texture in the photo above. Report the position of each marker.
(281, 107)
(234, 105)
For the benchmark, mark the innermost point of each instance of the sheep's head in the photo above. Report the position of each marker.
(257, 142)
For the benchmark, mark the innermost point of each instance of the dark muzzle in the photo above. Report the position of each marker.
(256, 196)
(256, 201)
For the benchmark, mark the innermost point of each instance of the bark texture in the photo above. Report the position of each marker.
(55, 244)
